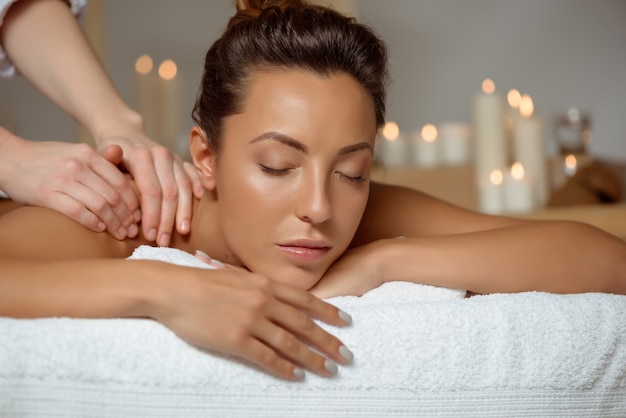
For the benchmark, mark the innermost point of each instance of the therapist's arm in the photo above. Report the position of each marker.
(47, 46)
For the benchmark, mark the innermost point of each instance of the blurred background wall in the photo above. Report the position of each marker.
(563, 53)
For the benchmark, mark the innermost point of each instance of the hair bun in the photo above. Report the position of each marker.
(256, 7)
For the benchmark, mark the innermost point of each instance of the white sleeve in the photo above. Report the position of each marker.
(6, 67)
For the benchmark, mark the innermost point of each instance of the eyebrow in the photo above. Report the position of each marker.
(289, 141)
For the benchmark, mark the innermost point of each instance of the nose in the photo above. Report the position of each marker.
(313, 199)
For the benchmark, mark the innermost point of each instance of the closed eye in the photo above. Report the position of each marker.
(274, 171)
(353, 179)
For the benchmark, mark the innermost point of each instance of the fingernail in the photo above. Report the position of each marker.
(132, 230)
(137, 215)
(298, 373)
(152, 234)
(101, 227)
(345, 317)
(202, 254)
(122, 232)
(184, 225)
(331, 366)
(217, 263)
(346, 353)
(210, 261)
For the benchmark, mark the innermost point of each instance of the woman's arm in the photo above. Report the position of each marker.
(52, 266)
(451, 247)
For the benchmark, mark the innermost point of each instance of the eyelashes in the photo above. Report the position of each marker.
(279, 172)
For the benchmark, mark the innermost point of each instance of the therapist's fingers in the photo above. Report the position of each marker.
(141, 166)
(164, 164)
(183, 210)
(194, 176)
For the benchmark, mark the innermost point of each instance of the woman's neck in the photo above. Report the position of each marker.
(205, 234)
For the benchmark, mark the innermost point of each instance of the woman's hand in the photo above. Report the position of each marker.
(70, 178)
(166, 184)
(252, 317)
(356, 272)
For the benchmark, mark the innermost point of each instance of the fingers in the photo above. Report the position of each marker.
(185, 196)
(164, 166)
(142, 168)
(289, 330)
(96, 191)
(194, 176)
(167, 188)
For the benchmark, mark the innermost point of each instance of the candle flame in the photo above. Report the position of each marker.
(168, 70)
(429, 132)
(517, 171)
(391, 131)
(144, 64)
(488, 86)
(496, 177)
(570, 162)
(526, 106)
(514, 98)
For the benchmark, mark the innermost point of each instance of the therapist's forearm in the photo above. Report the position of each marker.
(45, 43)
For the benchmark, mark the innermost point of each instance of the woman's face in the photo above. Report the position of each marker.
(292, 174)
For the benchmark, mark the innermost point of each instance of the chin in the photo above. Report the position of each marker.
(298, 277)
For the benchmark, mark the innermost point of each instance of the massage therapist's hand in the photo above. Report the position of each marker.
(249, 316)
(356, 272)
(166, 184)
(73, 179)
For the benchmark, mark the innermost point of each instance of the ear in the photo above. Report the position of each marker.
(203, 156)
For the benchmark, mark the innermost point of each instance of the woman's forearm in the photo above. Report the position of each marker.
(79, 288)
(44, 41)
(559, 257)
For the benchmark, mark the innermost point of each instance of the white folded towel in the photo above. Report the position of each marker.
(496, 355)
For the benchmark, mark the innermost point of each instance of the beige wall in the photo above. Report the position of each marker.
(562, 52)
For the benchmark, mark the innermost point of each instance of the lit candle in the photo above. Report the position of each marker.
(170, 105)
(393, 146)
(455, 143)
(570, 165)
(489, 131)
(426, 146)
(491, 197)
(144, 84)
(529, 148)
(518, 190)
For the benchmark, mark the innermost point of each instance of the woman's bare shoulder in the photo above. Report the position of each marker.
(43, 234)
(401, 211)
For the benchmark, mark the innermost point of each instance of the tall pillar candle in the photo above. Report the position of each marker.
(169, 104)
(529, 149)
(144, 85)
(489, 131)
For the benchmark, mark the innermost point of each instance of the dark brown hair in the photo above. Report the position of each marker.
(287, 34)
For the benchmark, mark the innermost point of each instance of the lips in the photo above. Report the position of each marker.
(305, 250)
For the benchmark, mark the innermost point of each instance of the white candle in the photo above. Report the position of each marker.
(529, 148)
(170, 105)
(392, 146)
(426, 147)
(490, 151)
(518, 190)
(144, 85)
(455, 143)
(491, 194)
